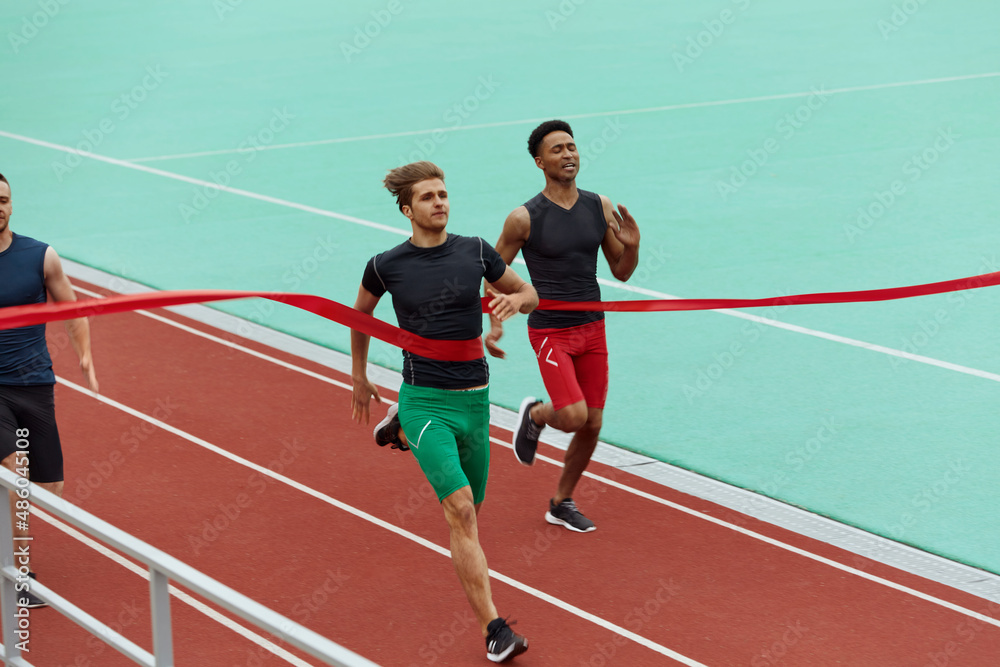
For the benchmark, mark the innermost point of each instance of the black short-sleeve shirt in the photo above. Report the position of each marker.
(436, 294)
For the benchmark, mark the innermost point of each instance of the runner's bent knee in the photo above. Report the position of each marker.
(572, 418)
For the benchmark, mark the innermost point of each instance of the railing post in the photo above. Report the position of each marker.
(159, 602)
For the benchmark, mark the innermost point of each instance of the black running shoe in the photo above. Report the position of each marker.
(566, 514)
(387, 430)
(501, 642)
(30, 600)
(527, 432)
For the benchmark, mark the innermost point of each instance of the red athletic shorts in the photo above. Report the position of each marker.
(574, 363)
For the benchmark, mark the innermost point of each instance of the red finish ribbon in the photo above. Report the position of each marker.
(984, 280)
(443, 350)
(449, 350)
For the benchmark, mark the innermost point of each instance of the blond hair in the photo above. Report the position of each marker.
(400, 181)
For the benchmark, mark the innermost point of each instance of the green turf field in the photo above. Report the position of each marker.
(764, 147)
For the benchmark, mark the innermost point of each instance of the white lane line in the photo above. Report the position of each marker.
(227, 343)
(206, 184)
(558, 464)
(565, 606)
(628, 489)
(176, 592)
(513, 582)
(609, 283)
(773, 542)
(896, 555)
(596, 114)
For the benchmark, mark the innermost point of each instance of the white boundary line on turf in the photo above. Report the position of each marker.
(176, 592)
(365, 516)
(930, 361)
(617, 285)
(361, 514)
(201, 183)
(596, 114)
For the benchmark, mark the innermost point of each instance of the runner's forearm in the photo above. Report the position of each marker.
(78, 330)
(627, 261)
(529, 298)
(359, 355)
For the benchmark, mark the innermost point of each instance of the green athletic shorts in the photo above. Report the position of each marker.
(449, 433)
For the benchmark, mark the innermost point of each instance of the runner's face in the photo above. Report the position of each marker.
(429, 207)
(5, 206)
(557, 156)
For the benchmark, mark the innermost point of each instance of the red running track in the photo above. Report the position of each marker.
(705, 584)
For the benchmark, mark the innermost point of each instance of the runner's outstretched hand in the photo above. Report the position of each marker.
(361, 397)
(627, 231)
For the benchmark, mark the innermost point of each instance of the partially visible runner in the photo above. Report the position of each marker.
(443, 414)
(559, 232)
(30, 272)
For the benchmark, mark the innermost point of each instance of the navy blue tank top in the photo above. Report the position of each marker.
(561, 254)
(24, 356)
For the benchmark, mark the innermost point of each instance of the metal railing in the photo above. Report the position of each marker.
(163, 569)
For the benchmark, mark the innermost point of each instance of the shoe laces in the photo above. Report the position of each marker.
(499, 633)
(533, 430)
(570, 505)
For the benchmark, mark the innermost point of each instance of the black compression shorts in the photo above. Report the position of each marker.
(29, 414)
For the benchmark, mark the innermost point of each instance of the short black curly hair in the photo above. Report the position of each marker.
(549, 126)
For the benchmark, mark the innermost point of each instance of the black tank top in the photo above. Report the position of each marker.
(561, 254)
